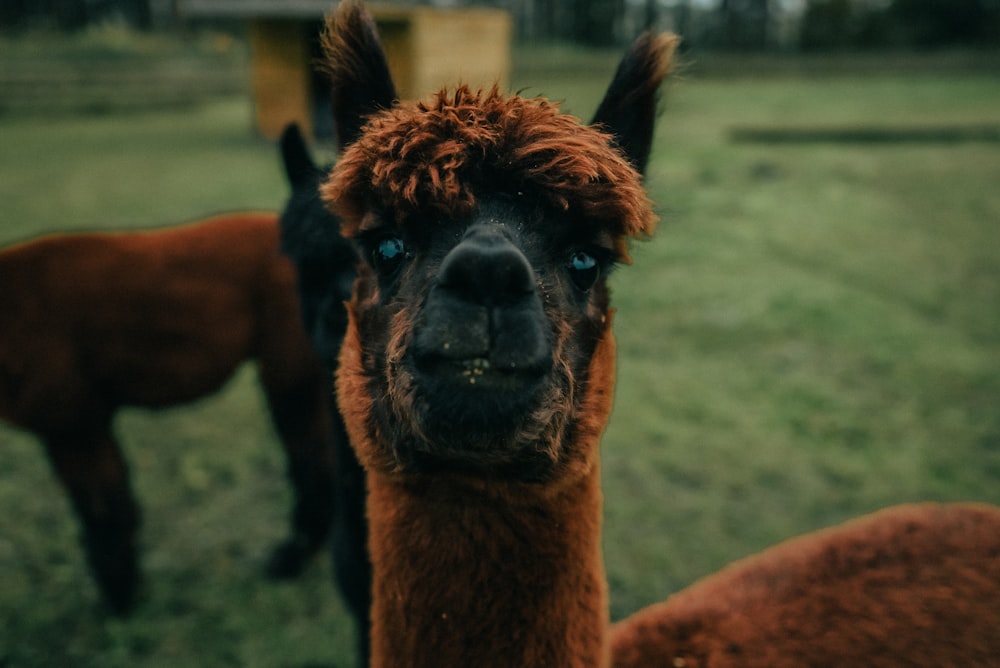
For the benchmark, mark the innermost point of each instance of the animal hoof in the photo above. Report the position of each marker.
(120, 604)
(115, 568)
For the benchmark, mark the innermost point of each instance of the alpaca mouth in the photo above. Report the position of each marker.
(475, 368)
(479, 374)
(478, 390)
(481, 368)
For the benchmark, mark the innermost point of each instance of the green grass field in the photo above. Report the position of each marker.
(813, 333)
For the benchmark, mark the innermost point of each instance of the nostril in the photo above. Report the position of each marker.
(487, 269)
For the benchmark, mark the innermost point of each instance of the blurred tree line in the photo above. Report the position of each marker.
(837, 24)
(809, 25)
(75, 14)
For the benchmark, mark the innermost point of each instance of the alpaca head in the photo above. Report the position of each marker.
(479, 329)
(325, 261)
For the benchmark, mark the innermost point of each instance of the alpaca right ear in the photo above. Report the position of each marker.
(360, 82)
(628, 110)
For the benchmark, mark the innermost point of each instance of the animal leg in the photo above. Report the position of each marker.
(94, 473)
(301, 417)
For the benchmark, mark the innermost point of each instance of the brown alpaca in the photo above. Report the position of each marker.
(913, 585)
(476, 376)
(95, 321)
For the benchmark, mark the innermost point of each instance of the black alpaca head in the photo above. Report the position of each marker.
(310, 236)
(487, 226)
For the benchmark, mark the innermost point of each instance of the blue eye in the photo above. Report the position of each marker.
(584, 270)
(388, 255)
(582, 261)
(390, 247)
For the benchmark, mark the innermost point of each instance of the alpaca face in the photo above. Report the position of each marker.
(487, 225)
(476, 334)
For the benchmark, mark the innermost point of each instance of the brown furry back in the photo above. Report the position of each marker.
(913, 585)
(90, 322)
(156, 317)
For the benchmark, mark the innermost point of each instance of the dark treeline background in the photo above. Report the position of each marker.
(748, 25)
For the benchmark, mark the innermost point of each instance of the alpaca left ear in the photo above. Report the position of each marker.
(628, 110)
(299, 166)
(360, 81)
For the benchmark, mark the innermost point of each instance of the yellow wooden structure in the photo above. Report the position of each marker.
(427, 48)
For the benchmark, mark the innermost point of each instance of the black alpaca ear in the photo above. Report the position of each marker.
(360, 82)
(299, 166)
(628, 110)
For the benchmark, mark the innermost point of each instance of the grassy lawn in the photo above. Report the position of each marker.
(813, 333)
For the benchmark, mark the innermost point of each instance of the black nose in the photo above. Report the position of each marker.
(483, 306)
(486, 268)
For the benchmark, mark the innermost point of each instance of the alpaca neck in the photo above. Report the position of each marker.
(472, 573)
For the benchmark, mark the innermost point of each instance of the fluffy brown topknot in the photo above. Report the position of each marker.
(436, 156)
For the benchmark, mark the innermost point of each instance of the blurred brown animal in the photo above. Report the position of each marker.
(911, 585)
(92, 322)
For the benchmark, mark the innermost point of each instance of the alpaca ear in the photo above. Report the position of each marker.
(299, 166)
(360, 82)
(628, 110)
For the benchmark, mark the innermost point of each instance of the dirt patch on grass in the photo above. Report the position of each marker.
(866, 134)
